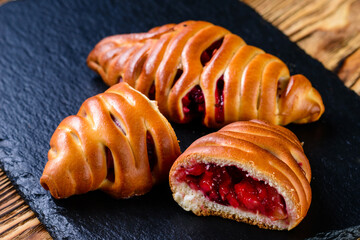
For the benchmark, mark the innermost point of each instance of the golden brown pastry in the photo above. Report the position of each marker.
(252, 172)
(118, 142)
(198, 70)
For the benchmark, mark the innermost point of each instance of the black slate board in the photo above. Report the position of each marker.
(44, 78)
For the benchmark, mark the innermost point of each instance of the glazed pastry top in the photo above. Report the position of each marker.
(118, 142)
(199, 70)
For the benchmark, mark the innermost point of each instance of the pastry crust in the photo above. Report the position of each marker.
(106, 146)
(266, 152)
(167, 62)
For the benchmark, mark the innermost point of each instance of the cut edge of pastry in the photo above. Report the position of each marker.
(200, 205)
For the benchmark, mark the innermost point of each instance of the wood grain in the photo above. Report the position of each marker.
(17, 221)
(328, 30)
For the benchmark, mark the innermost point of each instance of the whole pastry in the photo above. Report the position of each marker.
(252, 171)
(198, 70)
(118, 142)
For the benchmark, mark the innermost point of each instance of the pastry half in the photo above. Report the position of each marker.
(252, 172)
(199, 71)
(118, 142)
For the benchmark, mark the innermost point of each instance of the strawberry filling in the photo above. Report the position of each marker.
(178, 74)
(117, 123)
(231, 186)
(110, 165)
(194, 103)
(152, 90)
(151, 93)
(219, 99)
(151, 151)
(210, 51)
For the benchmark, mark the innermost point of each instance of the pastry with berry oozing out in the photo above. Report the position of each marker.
(248, 171)
(198, 71)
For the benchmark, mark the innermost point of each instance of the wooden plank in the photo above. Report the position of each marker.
(328, 30)
(16, 218)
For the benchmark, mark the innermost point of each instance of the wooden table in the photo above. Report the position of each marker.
(328, 30)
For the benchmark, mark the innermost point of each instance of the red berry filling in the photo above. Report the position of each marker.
(281, 87)
(194, 103)
(151, 151)
(179, 72)
(151, 93)
(279, 90)
(210, 51)
(231, 186)
(117, 123)
(110, 165)
(219, 98)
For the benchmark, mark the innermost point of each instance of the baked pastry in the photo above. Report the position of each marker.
(198, 70)
(118, 142)
(252, 171)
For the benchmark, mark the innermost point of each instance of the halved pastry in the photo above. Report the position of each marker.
(198, 70)
(118, 142)
(252, 171)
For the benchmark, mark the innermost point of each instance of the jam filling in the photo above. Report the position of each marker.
(194, 103)
(279, 90)
(231, 186)
(110, 165)
(151, 151)
(178, 74)
(120, 79)
(210, 51)
(151, 93)
(281, 87)
(117, 123)
(219, 99)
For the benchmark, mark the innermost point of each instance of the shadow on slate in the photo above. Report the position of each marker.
(44, 78)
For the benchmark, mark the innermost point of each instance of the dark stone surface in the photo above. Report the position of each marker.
(44, 78)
